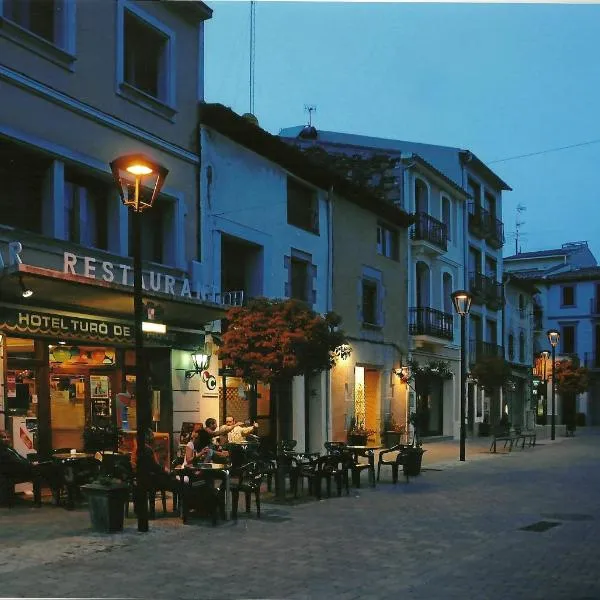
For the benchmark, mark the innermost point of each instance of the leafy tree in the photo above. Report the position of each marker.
(571, 378)
(278, 339)
(491, 372)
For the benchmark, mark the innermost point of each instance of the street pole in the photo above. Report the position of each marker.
(141, 384)
(463, 385)
(553, 421)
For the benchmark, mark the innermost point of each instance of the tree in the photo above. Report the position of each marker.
(278, 339)
(571, 378)
(491, 372)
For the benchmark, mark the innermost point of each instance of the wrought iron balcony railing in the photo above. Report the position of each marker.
(430, 230)
(486, 290)
(429, 321)
(479, 349)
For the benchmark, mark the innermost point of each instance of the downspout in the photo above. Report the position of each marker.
(329, 304)
(199, 196)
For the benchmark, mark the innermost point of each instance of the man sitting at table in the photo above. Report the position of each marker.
(238, 434)
(208, 450)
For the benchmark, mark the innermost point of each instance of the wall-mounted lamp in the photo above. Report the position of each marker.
(25, 291)
(201, 360)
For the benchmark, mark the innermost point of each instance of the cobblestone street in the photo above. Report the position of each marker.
(454, 532)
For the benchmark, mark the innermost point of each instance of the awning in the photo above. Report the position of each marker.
(67, 292)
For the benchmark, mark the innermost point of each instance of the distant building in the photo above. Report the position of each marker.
(568, 280)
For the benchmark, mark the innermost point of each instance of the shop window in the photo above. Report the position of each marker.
(86, 218)
(302, 206)
(22, 174)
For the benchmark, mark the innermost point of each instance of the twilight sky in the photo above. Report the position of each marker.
(502, 80)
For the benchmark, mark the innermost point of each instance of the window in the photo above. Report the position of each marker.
(521, 347)
(491, 331)
(22, 174)
(490, 204)
(145, 60)
(491, 267)
(521, 304)
(302, 206)
(369, 302)
(421, 197)
(446, 219)
(86, 218)
(37, 16)
(447, 291)
(387, 242)
(299, 270)
(156, 224)
(474, 190)
(567, 339)
(511, 346)
(568, 295)
(45, 27)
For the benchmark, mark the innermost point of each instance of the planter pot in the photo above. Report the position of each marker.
(357, 440)
(412, 466)
(391, 438)
(106, 505)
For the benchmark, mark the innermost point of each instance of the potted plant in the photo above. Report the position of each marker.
(358, 434)
(392, 432)
(414, 451)
(106, 497)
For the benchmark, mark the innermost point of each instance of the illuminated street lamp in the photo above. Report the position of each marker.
(139, 181)
(553, 338)
(462, 304)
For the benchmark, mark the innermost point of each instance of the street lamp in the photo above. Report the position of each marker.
(553, 338)
(545, 356)
(139, 181)
(462, 304)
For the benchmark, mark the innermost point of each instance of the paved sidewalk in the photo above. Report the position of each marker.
(454, 532)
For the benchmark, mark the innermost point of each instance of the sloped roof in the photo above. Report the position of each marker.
(583, 274)
(524, 283)
(251, 136)
(542, 253)
(440, 156)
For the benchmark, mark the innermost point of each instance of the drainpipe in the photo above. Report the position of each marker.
(199, 196)
(329, 304)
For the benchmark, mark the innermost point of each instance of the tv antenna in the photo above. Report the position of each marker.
(310, 109)
(252, 51)
(518, 224)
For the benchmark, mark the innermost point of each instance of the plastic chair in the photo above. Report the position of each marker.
(249, 483)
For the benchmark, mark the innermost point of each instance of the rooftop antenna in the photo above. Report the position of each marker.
(310, 109)
(252, 51)
(518, 224)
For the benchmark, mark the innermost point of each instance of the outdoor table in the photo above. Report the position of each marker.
(369, 453)
(192, 472)
(285, 464)
(68, 463)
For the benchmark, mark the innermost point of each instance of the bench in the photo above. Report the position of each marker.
(527, 436)
(503, 435)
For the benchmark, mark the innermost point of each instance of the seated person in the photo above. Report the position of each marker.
(190, 447)
(238, 434)
(207, 450)
(159, 476)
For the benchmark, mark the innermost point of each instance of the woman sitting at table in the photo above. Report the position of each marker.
(191, 450)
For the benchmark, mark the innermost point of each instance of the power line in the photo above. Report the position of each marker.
(544, 151)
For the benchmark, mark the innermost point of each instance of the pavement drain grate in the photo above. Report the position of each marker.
(569, 517)
(540, 526)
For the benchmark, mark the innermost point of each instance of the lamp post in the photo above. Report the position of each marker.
(553, 338)
(139, 181)
(545, 356)
(462, 304)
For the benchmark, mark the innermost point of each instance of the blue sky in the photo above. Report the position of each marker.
(502, 80)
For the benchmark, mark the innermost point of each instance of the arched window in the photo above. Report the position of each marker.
(421, 197)
(521, 347)
(446, 216)
(422, 284)
(511, 346)
(447, 291)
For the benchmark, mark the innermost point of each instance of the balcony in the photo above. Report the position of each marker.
(484, 225)
(431, 323)
(478, 220)
(592, 360)
(429, 234)
(479, 349)
(486, 290)
(495, 235)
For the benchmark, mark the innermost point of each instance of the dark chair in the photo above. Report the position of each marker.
(250, 480)
(358, 467)
(335, 447)
(199, 494)
(15, 469)
(391, 457)
(315, 470)
(72, 475)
